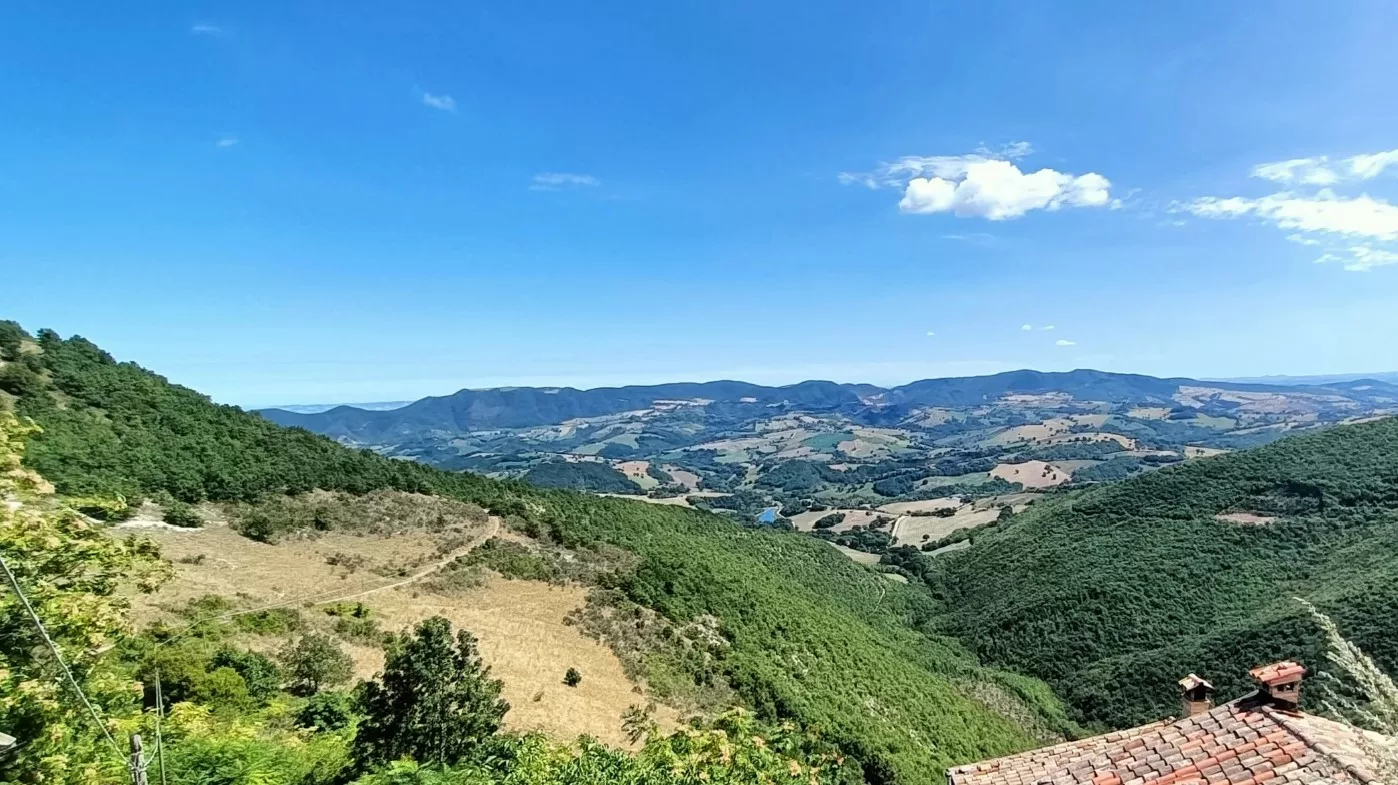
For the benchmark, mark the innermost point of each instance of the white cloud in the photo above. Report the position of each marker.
(1061, 342)
(552, 181)
(1026, 327)
(443, 102)
(1360, 258)
(1323, 212)
(1308, 171)
(226, 140)
(206, 29)
(984, 184)
(1352, 230)
(1367, 167)
(930, 333)
(1321, 170)
(1046, 327)
(997, 190)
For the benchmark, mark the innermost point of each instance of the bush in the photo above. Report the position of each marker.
(258, 672)
(179, 513)
(572, 678)
(327, 711)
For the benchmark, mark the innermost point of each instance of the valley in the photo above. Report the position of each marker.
(997, 601)
(819, 448)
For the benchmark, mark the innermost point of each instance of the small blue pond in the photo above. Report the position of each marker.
(768, 515)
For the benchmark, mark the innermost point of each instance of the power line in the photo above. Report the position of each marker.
(57, 655)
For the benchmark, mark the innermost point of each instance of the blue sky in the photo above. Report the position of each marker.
(352, 201)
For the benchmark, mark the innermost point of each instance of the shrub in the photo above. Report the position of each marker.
(184, 515)
(572, 678)
(327, 711)
(260, 674)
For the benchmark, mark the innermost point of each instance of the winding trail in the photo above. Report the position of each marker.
(491, 531)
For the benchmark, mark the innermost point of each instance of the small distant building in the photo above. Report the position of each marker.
(1262, 738)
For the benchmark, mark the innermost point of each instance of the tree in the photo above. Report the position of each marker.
(572, 678)
(435, 701)
(71, 573)
(315, 661)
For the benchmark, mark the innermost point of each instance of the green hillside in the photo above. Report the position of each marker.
(813, 637)
(1113, 593)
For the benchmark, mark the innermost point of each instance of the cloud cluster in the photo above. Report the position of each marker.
(1353, 230)
(206, 29)
(553, 181)
(227, 140)
(984, 184)
(443, 102)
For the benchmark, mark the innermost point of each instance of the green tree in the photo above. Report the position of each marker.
(572, 678)
(315, 661)
(435, 701)
(71, 574)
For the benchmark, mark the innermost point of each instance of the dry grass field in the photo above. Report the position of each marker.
(906, 508)
(635, 471)
(1202, 452)
(1149, 412)
(1031, 474)
(911, 529)
(519, 623)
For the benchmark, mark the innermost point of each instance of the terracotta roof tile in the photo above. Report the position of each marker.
(1246, 742)
(1278, 672)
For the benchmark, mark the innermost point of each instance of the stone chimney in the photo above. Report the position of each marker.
(1196, 695)
(1280, 682)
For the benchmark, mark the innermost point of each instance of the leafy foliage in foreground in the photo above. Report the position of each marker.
(71, 573)
(1112, 594)
(813, 638)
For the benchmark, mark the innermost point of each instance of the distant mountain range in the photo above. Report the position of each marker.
(469, 411)
(1388, 376)
(317, 408)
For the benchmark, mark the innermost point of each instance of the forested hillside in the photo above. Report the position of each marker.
(1112, 593)
(813, 638)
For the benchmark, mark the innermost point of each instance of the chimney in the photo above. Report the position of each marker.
(1196, 695)
(1280, 682)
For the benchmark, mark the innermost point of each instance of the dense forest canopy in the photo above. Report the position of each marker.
(1112, 593)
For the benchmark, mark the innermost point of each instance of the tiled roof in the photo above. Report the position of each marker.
(1278, 672)
(1192, 681)
(1246, 742)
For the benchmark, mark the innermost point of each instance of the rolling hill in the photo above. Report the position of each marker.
(745, 449)
(1112, 593)
(807, 635)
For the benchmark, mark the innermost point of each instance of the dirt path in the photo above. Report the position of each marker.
(492, 529)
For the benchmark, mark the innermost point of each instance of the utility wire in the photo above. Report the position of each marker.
(58, 656)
